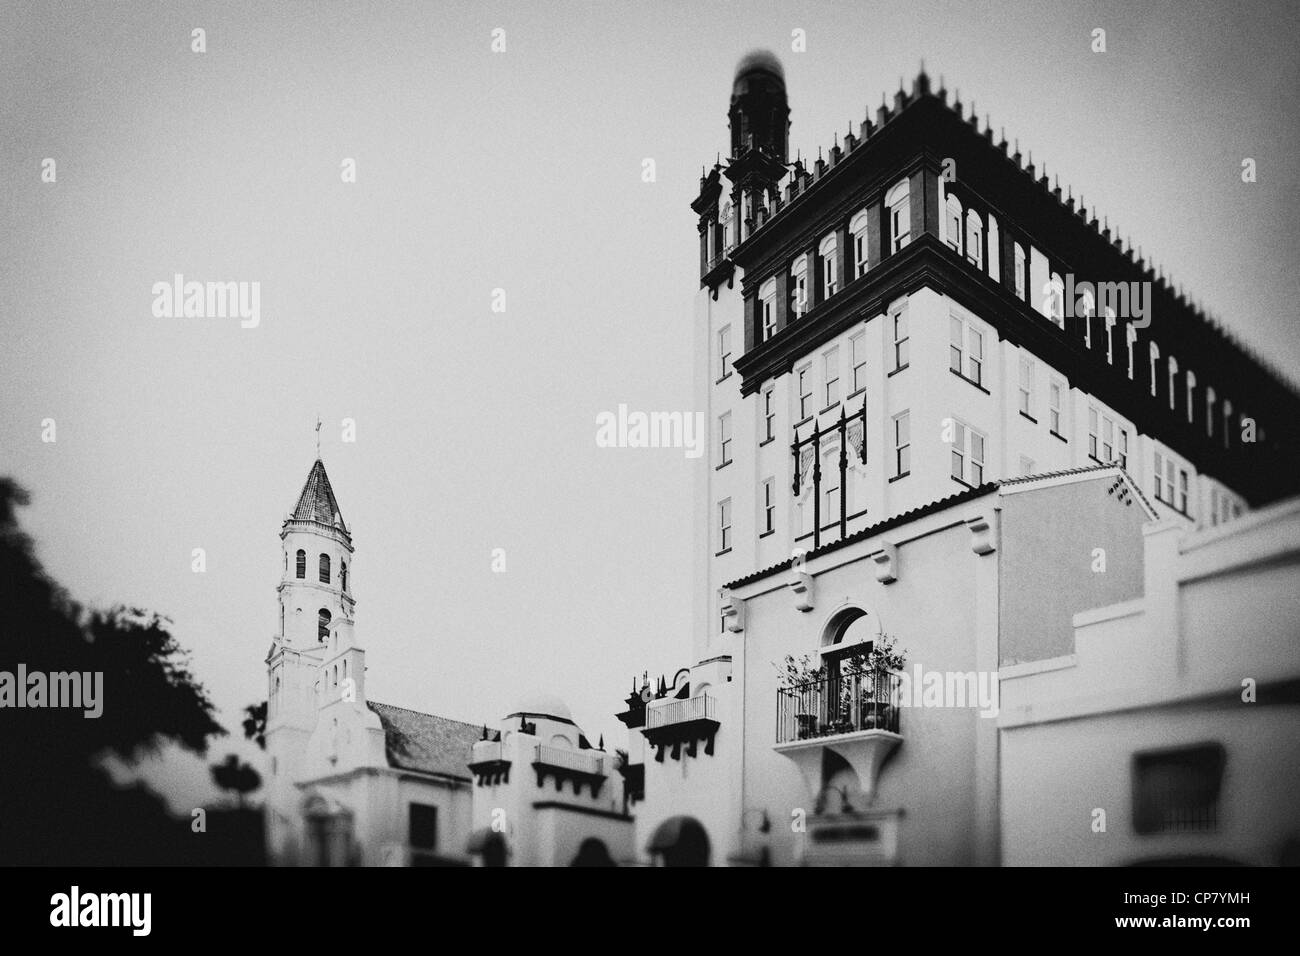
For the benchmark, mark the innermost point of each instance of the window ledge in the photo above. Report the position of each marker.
(718, 554)
(961, 482)
(767, 441)
(854, 395)
(1060, 436)
(724, 464)
(766, 533)
(969, 381)
(1030, 417)
(897, 477)
(723, 379)
(900, 369)
(834, 404)
(804, 421)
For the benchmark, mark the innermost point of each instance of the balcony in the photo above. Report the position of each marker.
(581, 767)
(856, 715)
(489, 763)
(674, 723)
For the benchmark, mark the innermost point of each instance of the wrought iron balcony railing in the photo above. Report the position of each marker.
(838, 704)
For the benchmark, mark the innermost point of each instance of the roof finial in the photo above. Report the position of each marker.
(318, 436)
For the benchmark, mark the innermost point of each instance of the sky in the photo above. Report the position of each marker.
(520, 171)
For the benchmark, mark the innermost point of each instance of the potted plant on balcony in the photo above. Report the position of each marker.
(875, 666)
(799, 678)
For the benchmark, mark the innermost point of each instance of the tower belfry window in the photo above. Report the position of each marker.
(301, 567)
(323, 625)
(324, 569)
(343, 575)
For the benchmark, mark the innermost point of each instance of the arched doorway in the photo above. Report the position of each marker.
(680, 841)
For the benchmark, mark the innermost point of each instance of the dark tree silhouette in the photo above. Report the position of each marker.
(236, 776)
(57, 806)
(255, 723)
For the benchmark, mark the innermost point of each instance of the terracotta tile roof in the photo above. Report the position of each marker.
(317, 501)
(426, 742)
(962, 496)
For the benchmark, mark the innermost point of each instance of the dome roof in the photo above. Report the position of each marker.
(544, 705)
(761, 66)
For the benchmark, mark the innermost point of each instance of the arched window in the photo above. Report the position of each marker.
(324, 569)
(953, 219)
(728, 227)
(1056, 300)
(974, 239)
(343, 575)
(1131, 337)
(1209, 411)
(1172, 369)
(1191, 396)
(1154, 353)
(799, 298)
(1020, 275)
(322, 624)
(302, 563)
(830, 278)
(858, 236)
(1110, 336)
(900, 216)
(767, 308)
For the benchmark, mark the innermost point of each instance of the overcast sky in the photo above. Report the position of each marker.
(522, 171)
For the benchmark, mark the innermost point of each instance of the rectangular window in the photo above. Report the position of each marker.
(724, 524)
(769, 318)
(1123, 448)
(1054, 407)
(724, 352)
(965, 340)
(1182, 490)
(1019, 266)
(967, 454)
(805, 392)
(799, 294)
(769, 505)
(769, 413)
(956, 343)
(902, 444)
(1027, 386)
(831, 367)
(1159, 473)
(858, 358)
(724, 438)
(828, 273)
(1177, 791)
(860, 252)
(1092, 432)
(831, 497)
(1107, 439)
(1170, 467)
(900, 340)
(422, 825)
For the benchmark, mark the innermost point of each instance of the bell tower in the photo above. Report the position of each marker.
(315, 585)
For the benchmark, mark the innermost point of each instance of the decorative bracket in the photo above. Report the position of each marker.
(886, 561)
(801, 583)
(733, 612)
(982, 536)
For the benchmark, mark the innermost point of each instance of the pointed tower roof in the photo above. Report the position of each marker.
(317, 501)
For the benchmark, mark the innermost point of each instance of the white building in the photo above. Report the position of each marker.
(352, 781)
(887, 341)
(1171, 731)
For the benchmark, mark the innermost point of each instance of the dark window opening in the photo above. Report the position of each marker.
(1177, 791)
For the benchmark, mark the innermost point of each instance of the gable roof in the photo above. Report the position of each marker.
(317, 501)
(426, 742)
